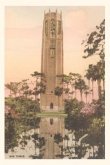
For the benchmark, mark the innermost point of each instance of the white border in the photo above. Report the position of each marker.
(4, 3)
(1, 81)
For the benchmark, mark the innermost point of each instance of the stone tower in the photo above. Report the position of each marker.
(52, 60)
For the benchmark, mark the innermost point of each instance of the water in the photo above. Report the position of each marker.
(51, 140)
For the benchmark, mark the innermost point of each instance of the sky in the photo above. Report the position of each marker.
(23, 38)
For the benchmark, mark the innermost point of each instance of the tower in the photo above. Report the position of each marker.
(52, 60)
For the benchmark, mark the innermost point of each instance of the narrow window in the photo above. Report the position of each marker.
(51, 121)
(51, 105)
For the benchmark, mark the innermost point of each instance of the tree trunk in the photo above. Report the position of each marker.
(103, 85)
(10, 93)
(68, 92)
(75, 93)
(86, 98)
(35, 97)
(72, 93)
(99, 88)
(93, 152)
(35, 148)
(36, 87)
(89, 83)
(81, 95)
(92, 89)
(75, 89)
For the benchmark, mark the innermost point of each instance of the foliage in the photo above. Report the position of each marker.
(87, 119)
(88, 109)
(10, 133)
(94, 44)
(96, 132)
(22, 105)
(58, 91)
(19, 118)
(38, 140)
(75, 120)
(13, 87)
(80, 84)
(58, 138)
(40, 84)
(73, 106)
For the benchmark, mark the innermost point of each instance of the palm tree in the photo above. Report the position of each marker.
(66, 81)
(99, 76)
(58, 92)
(80, 84)
(103, 73)
(95, 44)
(96, 73)
(86, 92)
(91, 75)
(88, 76)
(74, 77)
(72, 92)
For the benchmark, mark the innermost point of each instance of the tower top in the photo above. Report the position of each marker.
(53, 13)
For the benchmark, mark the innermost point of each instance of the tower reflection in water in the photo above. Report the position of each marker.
(52, 129)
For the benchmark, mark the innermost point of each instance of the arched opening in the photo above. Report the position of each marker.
(51, 105)
(51, 121)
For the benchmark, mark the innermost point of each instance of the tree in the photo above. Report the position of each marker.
(13, 87)
(58, 138)
(39, 83)
(38, 141)
(86, 92)
(10, 133)
(95, 43)
(80, 84)
(66, 82)
(74, 77)
(24, 88)
(100, 71)
(90, 75)
(96, 133)
(66, 138)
